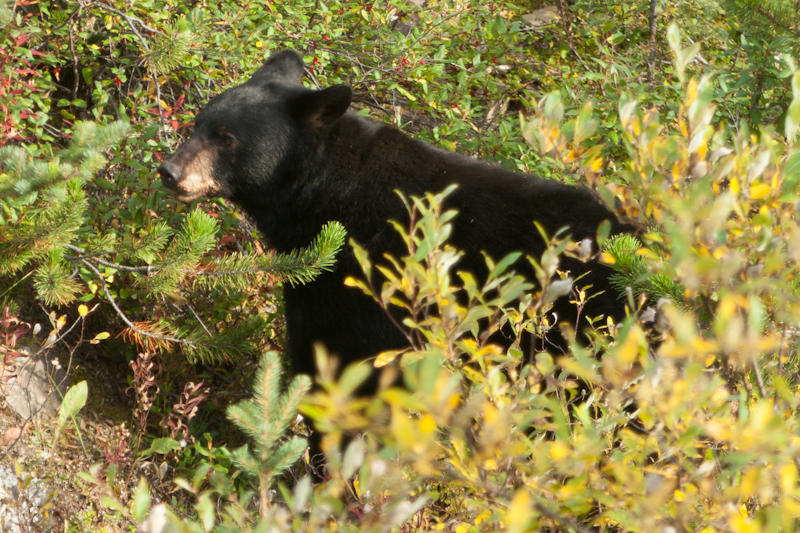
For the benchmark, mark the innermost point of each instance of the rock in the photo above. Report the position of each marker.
(22, 498)
(32, 392)
(541, 17)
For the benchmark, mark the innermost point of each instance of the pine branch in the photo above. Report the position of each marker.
(248, 417)
(84, 255)
(53, 282)
(289, 401)
(297, 267)
(51, 225)
(285, 456)
(267, 390)
(245, 460)
(189, 245)
(184, 252)
(226, 345)
(152, 242)
(630, 271)
(122, 315)
(265, 418)
(170, 48)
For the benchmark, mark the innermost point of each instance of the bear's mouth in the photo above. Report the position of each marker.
(189, 187)
(185, 196)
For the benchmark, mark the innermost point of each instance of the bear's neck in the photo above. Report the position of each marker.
(349, 176)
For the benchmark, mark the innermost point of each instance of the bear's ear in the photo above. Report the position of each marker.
(319, 109)
(285, 66)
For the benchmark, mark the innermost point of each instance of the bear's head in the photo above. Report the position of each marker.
(246, 137)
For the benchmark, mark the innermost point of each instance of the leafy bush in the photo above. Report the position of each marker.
(689, 420)
(682, 416)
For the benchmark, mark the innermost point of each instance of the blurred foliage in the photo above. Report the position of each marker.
(682, 417)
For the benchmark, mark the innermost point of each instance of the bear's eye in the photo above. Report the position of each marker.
(227, 138)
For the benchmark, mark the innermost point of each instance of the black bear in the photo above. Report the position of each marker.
(294, 158)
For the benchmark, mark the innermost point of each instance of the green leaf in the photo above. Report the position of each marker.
(73, 402)
(603, 231)
(503, 265)
(162, 445)
(585, 125)
(353, 457)
(353, 376)
(301, 494)
(556, 290)
(140, 504)
(553, 106)
(793, 113)
(206, 511)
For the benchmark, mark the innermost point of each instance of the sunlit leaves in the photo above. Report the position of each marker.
(716, 274)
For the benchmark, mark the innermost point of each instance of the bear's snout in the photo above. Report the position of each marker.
(170, 174)
(189, 172)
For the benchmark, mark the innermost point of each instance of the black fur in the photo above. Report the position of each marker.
(293, 159)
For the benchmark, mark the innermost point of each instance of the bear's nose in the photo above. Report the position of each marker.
(170, 174)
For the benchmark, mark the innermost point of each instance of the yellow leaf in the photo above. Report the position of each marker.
(734, 185)
(61, 321)
(749, 483)
(83, 310)
(427, 424)
(727, 307)
(99, 337)
(791, 507)
(634, 344)
(788, 473)
(740, 524)
(761, 415)
(518, 511)
(759, 191)
(559, 451)
(454, 401)
(384, 358)
(719, 431)
(484, 516)
(490, 413)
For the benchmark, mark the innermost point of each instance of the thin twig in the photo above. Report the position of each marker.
(75, 73)
(147, 269)
(759, 379)
(651, 64)
(122, 315)
(780, 350)
(49, 344)
(198, 319)
(130, 20)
